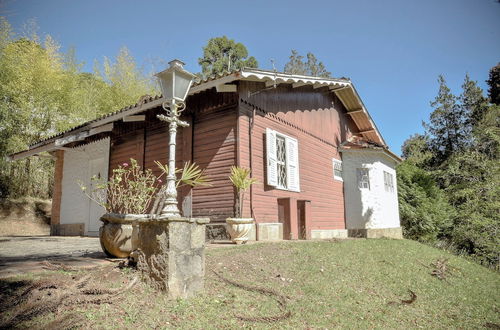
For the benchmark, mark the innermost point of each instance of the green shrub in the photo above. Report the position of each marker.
(425, 212)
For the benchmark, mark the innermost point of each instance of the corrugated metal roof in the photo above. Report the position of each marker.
(145, 100)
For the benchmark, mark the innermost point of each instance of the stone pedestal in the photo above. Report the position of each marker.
(170, 253)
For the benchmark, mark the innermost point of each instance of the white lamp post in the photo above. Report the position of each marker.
(174, 83)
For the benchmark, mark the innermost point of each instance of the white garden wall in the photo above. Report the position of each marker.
(80, 164)
(373, 208)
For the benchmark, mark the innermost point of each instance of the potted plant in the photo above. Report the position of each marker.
(239, 227)
(128, 196)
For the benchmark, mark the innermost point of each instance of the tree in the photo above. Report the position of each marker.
(474, 104)
(312, 67)
(295, 65)
(447, 127)
(31, 108)
(425, 212)
(126, 82)
(223, 55)
(494, 84)
(456, 195)
(472, 182)
(43, 91)
(416, 150)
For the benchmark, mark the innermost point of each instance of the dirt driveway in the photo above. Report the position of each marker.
(21, 254)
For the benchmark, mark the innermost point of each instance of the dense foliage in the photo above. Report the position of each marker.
(449, 183)
(222, 54)
(43, 91)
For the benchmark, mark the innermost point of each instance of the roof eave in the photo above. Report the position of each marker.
(385, 151)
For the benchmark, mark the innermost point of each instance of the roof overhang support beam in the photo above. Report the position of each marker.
(299, 84)
(226, 88)
(336, 88)
(32, 152)
(134, 118)
(355, 111)
(316, 86)
(71, 138)
(101, 129)
(271, 83)
(371, 130)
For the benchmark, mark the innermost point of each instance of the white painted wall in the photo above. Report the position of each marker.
(374, 208)
(79, 163)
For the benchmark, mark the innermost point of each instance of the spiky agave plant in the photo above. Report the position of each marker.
(240, 177)
(190, 175)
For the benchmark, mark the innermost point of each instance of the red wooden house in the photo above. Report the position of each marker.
(323, 167)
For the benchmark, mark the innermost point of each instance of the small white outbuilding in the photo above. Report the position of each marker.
(370, 190)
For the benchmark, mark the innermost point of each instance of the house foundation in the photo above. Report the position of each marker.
(395, 233)
(328, 233)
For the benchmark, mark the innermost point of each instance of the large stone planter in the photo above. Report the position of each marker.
(170, 254)
(116, 234)
(239, 228)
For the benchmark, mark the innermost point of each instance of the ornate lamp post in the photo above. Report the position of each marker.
(174, 83)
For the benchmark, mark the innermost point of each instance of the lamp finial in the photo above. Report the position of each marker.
(176, 63)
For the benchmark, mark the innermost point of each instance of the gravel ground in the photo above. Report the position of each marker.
(25, 254)
(37, 247)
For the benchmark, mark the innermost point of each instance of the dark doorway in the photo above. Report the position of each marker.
(301, 214)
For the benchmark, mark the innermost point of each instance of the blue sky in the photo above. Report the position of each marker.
(393, 50)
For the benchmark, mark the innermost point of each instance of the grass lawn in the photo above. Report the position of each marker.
(330, 284)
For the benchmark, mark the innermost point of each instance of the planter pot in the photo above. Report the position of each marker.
(239, 228)
(117, 233)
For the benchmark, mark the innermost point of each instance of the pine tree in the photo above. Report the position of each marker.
(447, 127)
(474, 104)
(222, 54)
(494, 83)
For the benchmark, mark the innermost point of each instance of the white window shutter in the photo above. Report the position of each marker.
(292, 162)
(272, 170)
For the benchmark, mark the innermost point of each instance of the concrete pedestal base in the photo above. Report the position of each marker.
(270, 231)
(396, 233)
(170, 253)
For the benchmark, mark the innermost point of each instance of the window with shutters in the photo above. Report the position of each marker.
(363, 178)
(282, 161)
(337, 169)
(388, 182)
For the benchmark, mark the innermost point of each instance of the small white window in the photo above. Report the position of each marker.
(363, 178)
(337, 169)
(388, 182)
